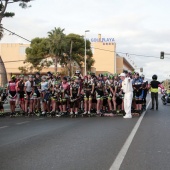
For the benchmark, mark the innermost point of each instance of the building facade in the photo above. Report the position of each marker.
(104, 54)
(106, 59)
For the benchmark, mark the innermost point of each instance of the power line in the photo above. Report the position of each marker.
(15, 34)
(140, 55)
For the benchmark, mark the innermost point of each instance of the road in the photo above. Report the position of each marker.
(85, 143)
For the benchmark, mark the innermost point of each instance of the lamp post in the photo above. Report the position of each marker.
(85, 57)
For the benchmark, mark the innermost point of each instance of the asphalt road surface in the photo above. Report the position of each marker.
(96, 143)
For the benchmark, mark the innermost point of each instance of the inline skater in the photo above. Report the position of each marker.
(37, 95)
(65, 90)
(145, 91)
(20, 90)
(11, 90)
(138, 92)
(29, 91)
(99, 96)
(74, 95)
(88, 91)
(43, 89)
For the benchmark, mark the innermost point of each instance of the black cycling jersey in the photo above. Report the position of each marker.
(154, 84)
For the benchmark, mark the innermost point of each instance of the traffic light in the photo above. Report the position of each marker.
(162, 55)
(141, 69)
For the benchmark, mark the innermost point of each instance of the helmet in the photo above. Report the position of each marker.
(111, 76)
(133, 72)
(142, 76)
(37, 73)
(21, 76)
(43, 77)
(65, 78)
(57, 83)
(75, 78)
(49, 73)
(13, 77)
(88, 73)
(31, 76)
(77, 71)
(105, 74)
(100, 75)
(92, 74)
(154, 77)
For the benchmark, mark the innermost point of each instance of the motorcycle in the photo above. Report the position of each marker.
(165, 98)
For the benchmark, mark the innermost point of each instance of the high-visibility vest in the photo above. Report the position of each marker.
(154, 90)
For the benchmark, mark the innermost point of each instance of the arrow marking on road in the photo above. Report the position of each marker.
(121, 155)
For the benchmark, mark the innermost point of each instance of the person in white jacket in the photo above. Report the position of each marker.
(127, 89)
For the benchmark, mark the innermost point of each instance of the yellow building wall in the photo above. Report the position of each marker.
(119, 65)
(13, 52)
(104, 59)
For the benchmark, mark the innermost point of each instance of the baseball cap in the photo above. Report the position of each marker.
(122, 75)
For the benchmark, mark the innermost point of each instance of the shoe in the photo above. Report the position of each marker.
(43, 113)
(152, 108)
(157, 108)
(84, 113)
(127, 116)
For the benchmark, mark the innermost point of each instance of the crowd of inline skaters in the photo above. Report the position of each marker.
(55, 95)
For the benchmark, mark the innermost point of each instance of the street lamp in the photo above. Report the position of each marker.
(85, 57)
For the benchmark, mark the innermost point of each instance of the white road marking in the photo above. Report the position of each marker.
(22, 123)
(39, 119)
(121, 155)
(3, 127)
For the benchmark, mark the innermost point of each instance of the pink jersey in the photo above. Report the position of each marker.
(65, 86)
(12, 86)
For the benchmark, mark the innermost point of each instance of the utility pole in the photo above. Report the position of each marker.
(71, 47)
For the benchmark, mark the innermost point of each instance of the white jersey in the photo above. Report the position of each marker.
(127, 85)
(28, 86)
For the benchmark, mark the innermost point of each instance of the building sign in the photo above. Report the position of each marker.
(104, 40)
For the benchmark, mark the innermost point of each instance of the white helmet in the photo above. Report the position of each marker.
(77, 71)
(142, 76)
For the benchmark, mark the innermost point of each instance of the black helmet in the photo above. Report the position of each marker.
(100, 75)
(154, 77)
(64, 78)
(37, 73)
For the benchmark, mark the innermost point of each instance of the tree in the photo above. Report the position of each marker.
(4, 14)
(57, 44)
(63, 49)
(78, 50)
(38, 53)
(4, 4)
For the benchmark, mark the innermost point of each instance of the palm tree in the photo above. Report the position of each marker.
(56, 44)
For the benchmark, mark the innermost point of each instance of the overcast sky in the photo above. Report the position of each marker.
(138, 26)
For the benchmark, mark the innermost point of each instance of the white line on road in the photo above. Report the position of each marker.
(3, 127)
(39, 119)
(121, 155)
(22, 123)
